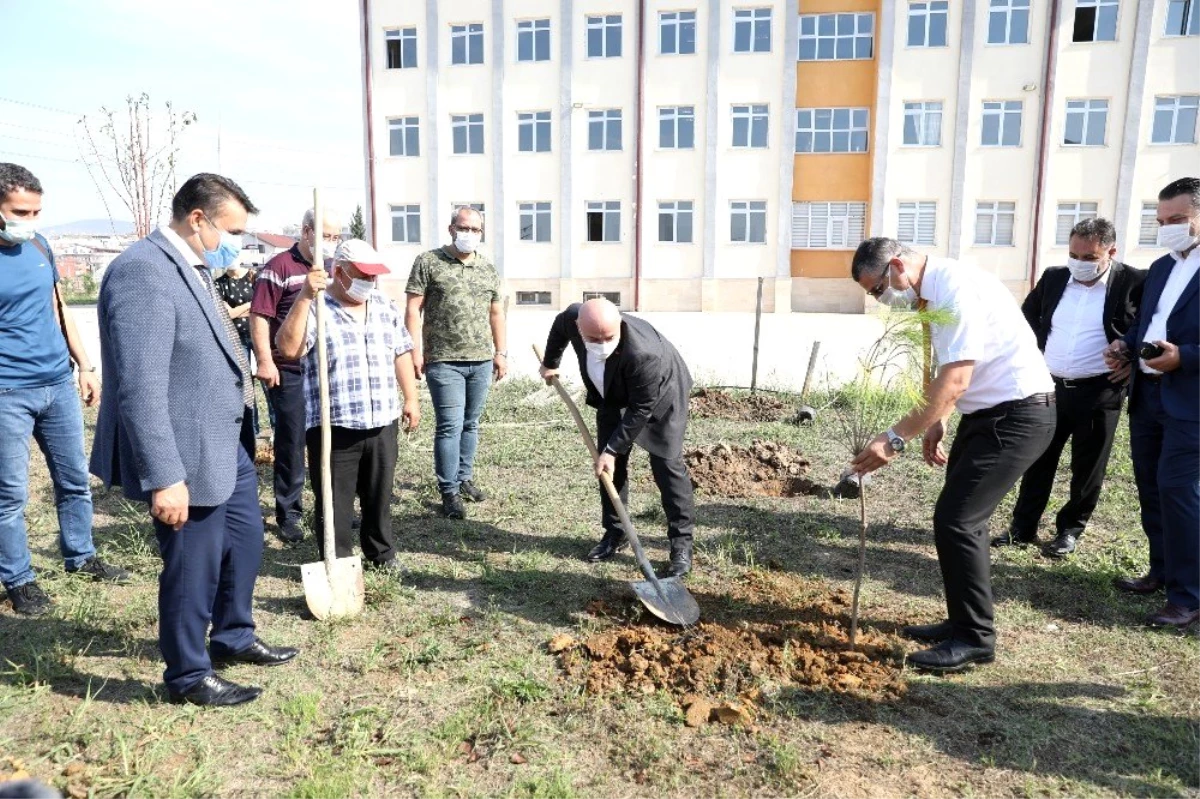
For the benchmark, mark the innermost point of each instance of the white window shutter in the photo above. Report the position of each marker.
(906, 230)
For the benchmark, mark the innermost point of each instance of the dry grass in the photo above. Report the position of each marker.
(444, 686)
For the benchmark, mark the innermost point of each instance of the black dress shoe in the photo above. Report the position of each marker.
(950, 656)
(681, 558)
(1061, 546)
(930, 633)
(259, 654)
(101, 572)
(291, 533)
(470, 492)
(609, 545)
(1013, 539)
(28, 599)
(452, 507)
(215, 692)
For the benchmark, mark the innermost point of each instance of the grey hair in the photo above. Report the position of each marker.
(465, 209)
(1189, 186)
(1097, 229)
(331, 217)
(873, 255)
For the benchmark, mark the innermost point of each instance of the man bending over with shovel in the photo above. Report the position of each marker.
(639, 386)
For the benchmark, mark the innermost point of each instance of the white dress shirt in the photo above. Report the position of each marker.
(595, 369)
(989, 329)
(187, 253)
(1075, 346)
(1181, 274)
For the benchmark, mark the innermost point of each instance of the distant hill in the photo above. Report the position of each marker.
(89, 227)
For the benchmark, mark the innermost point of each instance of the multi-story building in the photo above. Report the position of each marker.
(670, 154)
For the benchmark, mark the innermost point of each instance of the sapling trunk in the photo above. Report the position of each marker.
(862, 559)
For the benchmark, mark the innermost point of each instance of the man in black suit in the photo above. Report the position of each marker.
(639, 386)
(1076, 311)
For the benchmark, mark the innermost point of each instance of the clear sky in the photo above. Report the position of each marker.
(278, 82)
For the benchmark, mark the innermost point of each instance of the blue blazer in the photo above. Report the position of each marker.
(1181, 388)
(172, 408)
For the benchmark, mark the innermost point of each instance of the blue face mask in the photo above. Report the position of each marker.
(228, 250)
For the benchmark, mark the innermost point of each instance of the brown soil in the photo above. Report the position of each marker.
(710, 403)
(764, 469)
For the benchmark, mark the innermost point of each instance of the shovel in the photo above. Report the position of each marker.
(666, 597)
(333, 587)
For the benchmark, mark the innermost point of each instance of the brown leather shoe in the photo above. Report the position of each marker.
(1139, 585)
(1173, 615)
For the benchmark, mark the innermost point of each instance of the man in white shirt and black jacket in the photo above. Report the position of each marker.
(1076, 311)
(989, 367)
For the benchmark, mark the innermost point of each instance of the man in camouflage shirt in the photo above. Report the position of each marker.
(457, 325)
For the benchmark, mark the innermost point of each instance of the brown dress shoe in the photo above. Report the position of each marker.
(1173, 615)
(1139, 585)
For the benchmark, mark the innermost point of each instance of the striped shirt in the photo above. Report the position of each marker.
(363, 392)
(275, 292)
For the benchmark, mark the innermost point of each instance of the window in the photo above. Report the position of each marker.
(927, 23)
(1095, 21)
(533, 298)
(918, 223)
(1182, 18)
(748, 221)
(994, 222)
(1069, 215)
(604, 221)
(1086, 121)
(535, 221)
(1008, 22)
(467, 130)
(533, 132)
(831, 130)
(676, 32)
(1175, 119)
(401, 48)
(533, 40)
(749, 126)
(677, 128)
(406, 224)
(828, 226)
(1148, 230)
(604, 129)
(752, 30)
(612, 296)
(466, 43)
(675, 221)
(836, 37)
(923, 124)
(1002, 123)
(404, 137)
(604, 36)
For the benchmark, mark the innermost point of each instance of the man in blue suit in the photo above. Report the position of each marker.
(175, 431)
(1161, 353)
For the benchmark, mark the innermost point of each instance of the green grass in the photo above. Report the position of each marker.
(443, 687)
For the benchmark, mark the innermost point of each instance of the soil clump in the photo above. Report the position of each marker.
(764, 469)
(708, 403)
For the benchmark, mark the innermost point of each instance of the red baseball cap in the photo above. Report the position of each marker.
(362, 255)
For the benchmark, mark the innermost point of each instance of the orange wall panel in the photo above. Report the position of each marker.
(844, 176)
(828, 6)
(822, 263)
(830, 84)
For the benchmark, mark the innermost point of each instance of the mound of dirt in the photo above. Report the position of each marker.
(709, 403)
(765, 469)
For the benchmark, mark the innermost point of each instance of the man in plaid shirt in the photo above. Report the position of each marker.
(369, 353)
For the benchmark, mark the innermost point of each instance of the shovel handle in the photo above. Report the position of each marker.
(326, 498)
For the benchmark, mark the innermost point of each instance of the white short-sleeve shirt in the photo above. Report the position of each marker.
(989, 329)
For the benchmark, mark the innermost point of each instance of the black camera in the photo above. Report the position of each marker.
(1148, 351)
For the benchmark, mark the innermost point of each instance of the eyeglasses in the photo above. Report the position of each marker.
(463, 229)
(882, 285)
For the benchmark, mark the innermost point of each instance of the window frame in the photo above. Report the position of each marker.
(1009, 11)
(674, 114)
(1087, 111)
(406, 213)
(817, 37)
(920, 209)
(753, 21)
(467, 121)
(751, 115)
(748, 209)
(532, 30)
(1003, 112)
(404, 124)
(674, 210)
(1175, 109)
(607, 213)
(928, 12)
(535, 122)
(1073, 210)
(814, 131)
(602, 23)
(678, 22)
(605, 118)
(402, 37)
(1191, 20)
(466, 31)
(1097, 5)
(852, 223)
(1149, 211)
(536, 296)
(994, 213)
(924, 111)
(535, 209)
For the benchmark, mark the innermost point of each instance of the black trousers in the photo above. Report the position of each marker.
(288, 400)
(670, 475)
(991, 450)
(362, 463)
(1087, 415)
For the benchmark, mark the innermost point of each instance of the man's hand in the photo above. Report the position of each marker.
(412, 415)
(931, 444)
(875, 455)
(1116, 355)
(606, 463)
(1168, 361)
(89, 388)
(418, 363)
(314, 283)
(499, 366)
(548, 374)
(268, 373)
(170, 505)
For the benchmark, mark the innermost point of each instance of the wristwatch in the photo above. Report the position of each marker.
(896, 442)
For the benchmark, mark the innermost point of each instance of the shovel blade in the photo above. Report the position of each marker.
(676, 605)
(335, 592)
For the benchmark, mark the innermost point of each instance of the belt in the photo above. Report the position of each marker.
(1032, 399)
(1081, 382)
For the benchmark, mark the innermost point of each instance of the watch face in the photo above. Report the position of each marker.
(897, 443)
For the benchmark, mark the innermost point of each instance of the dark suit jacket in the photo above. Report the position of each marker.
(172, 408)
(1181, 388)
(645, 375)
(1120, 300)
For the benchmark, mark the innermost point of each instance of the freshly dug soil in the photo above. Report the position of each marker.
(765, 469)
(710, 403)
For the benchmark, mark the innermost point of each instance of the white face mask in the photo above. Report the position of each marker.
(900, 299)
(17, 231)
(1086, 271)
(1176, 238)
(359, 290)
(602, 349)
(466, 242)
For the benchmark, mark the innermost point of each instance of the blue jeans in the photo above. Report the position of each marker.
(52, 415)
(458, 389)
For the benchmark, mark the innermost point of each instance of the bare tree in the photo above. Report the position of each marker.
(134, 155)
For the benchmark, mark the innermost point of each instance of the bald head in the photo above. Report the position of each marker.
(599, 320)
